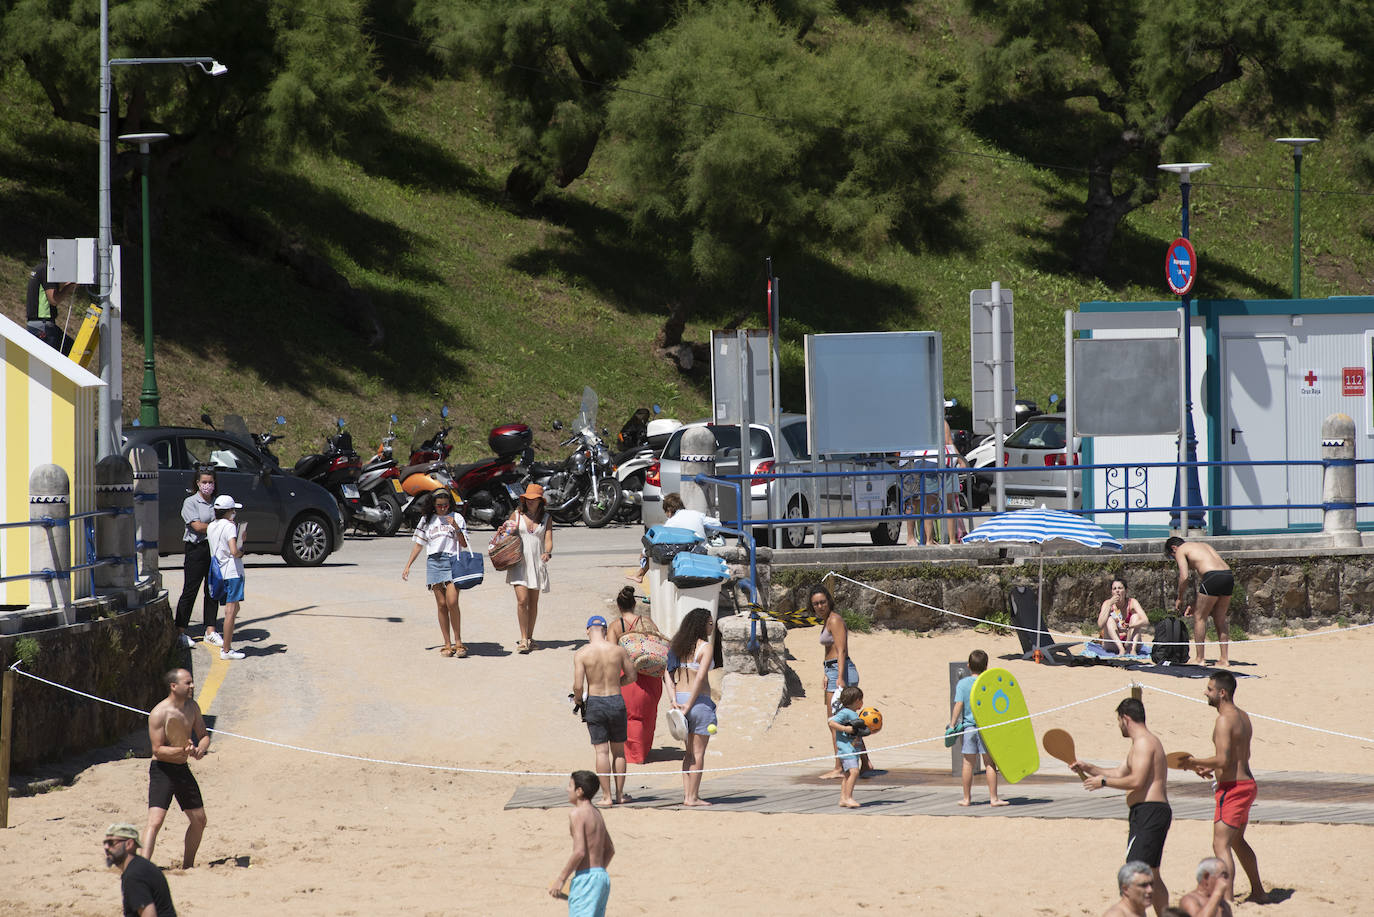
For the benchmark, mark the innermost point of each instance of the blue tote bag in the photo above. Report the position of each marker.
(468, 569)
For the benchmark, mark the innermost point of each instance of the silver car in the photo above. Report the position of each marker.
(1037, 444)
(822, 497)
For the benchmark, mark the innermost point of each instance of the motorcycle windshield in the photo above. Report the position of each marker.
(586, 416)
(234, 423)
(425, 427)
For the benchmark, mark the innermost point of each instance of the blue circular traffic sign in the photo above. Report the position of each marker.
(1180, 266)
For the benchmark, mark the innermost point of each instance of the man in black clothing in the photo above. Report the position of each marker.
(145, 888)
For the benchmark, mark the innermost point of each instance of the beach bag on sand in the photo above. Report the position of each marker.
(693, 570)
(664, 542)
(1171, 642)
(505, 550)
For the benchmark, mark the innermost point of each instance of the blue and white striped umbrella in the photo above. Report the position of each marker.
(1037, 526)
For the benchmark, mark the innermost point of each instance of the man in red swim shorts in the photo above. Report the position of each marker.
(1235, 784)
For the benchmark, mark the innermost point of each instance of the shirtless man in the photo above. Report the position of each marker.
(1143, 776)
(1207, 900)
(591, 854)
(1137, 891)
(1235, 785)
(1214, 587)
(603, 667)
(177, 733)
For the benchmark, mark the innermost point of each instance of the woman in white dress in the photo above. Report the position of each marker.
(531, 576)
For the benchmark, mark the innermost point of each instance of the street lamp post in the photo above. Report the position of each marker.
(1297, 143)
(148, 399)
(1188, 487)
(108, 420)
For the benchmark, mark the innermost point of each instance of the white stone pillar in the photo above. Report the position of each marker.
(114, 535)
(1338, 481)
(144, 462)
(50, 546)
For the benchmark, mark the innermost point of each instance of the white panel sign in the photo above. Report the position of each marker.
(877, 392)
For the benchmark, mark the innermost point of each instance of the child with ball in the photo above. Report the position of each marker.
(849, 730)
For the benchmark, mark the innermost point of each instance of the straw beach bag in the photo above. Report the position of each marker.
(505, 550)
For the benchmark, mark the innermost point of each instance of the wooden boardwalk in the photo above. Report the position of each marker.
(1285, 797)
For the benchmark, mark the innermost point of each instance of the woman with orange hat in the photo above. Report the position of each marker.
(530, 577)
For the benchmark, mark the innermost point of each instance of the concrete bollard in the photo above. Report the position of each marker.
(50, 547)
(114, 535)
(698, 457)
(144, 461)
(1338, 481)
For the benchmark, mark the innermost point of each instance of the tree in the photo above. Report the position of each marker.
(553, 63)
(740, 140)
(301, 72)
(1120, 80)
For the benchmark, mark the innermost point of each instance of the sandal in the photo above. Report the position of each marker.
(460, 651)
(523, 646)
(446, 651)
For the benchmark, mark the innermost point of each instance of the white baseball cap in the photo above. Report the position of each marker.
(224, 501)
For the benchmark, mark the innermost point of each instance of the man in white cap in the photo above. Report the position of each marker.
(602, 668)
(143, 886)
(225, 551)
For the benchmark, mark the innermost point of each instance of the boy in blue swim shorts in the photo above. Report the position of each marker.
(592, 851)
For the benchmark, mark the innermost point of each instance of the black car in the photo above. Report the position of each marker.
(285, 514)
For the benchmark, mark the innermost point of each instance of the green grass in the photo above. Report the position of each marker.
(505, 314)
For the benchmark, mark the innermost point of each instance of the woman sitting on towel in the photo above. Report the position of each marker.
(641, 695)
(838, 668)
(1121, 623)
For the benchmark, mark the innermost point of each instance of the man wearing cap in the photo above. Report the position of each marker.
(177, 734)
(143, 885)
(602, 668)
(225, 550)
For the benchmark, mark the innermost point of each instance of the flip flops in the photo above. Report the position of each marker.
(460, 651)
(446, 651)
(524, 646)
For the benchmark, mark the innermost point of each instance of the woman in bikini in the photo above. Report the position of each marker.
(1121, 621)
(689, 664)
(643, 694)
(838, 668)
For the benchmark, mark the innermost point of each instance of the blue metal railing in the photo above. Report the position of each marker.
(1133, 474)
(93, 560)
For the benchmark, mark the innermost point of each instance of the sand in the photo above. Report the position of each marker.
(344, 660)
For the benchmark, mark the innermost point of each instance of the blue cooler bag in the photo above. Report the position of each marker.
(692, 570)
(663, 542)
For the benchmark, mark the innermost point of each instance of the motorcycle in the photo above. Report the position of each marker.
(640, 440)
(337, 469)
(489, 489)
(427, 472)
(379, 482)
(234, 423)
(584, 484)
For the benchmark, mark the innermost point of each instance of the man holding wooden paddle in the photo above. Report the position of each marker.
(1143, 776)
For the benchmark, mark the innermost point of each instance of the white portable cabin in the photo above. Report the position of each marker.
(1264, 375)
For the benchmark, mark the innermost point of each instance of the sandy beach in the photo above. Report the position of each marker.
(344, 659)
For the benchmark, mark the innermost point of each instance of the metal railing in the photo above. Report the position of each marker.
(93, 560)
(1127, 492)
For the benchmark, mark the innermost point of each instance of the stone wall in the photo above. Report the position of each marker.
(1271, 592)
(121, 658)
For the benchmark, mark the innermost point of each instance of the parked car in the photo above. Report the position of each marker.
(835, 496)
(285, 514)
(1038, 443)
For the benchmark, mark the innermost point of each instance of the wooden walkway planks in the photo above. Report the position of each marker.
(1284, 797)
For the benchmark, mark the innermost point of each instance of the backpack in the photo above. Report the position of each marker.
(1171, 642)
(214, 580)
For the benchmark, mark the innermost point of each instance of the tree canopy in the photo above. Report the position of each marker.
(1130, 82)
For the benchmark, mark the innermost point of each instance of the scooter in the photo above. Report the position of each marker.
(641, 440)
(337, 469)
(379, 484)
(489, 489)
(427, 472)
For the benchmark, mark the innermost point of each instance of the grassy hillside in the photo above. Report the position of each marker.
(505, 315)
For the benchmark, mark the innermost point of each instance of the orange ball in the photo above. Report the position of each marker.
(872, 718)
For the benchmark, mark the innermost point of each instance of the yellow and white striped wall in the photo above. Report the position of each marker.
(49, 406)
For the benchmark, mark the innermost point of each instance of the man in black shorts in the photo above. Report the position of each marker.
(1214, 586)
(177, 733)
(1144, 777)
(143, 886)
(600, 669)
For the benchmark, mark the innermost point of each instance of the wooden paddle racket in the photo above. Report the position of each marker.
(1059, 743)
(1175, 760)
